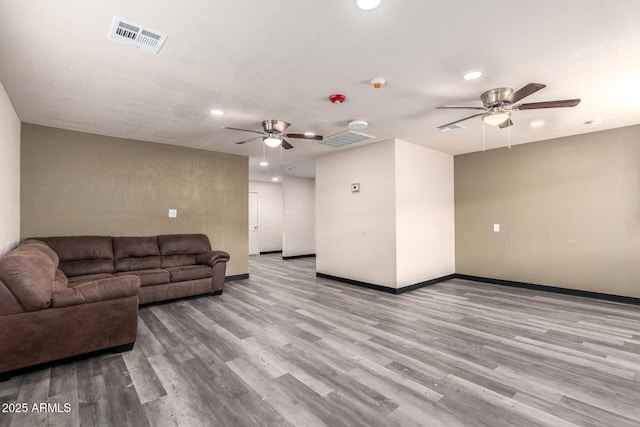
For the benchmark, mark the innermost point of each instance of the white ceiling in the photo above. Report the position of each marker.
(281, 59)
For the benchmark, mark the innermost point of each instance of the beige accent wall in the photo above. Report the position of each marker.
(9, 174)
(75, 183)
(568, 209)
(270, 212)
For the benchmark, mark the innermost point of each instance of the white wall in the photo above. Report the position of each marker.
(298, 228)
(425, 214)
(356, 231)
(9, 174)
(270, 212)
(399, 230)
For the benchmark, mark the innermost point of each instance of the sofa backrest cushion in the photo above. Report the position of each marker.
(136, 253)
(81, 255)
(182, 249)
(28, 272)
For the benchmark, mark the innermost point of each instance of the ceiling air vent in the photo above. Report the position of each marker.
(126, 32)
(343, 139)
(449, 128)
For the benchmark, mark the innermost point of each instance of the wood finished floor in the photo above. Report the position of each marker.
(286, 348)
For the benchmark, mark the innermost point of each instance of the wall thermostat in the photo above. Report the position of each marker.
(355, 188)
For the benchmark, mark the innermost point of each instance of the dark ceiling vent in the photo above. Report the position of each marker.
(126, 32)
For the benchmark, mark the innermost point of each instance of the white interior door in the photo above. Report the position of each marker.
(254, 241)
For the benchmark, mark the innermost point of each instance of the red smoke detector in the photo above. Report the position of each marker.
(337, 98)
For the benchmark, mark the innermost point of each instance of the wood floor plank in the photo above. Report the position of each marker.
(126, 408)
(93, 399)
(286, 348)
(145, 381)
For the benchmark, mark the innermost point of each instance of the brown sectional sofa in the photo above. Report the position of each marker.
(169, 266)
(64, 296)
(43, 317)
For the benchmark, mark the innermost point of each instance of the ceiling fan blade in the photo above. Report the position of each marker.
(505, 124)
(286, 145)
(303, 136)
(247, 140)
(459, 107)
(243, 130)
(525, 91)
(549, 104)
(458, 121)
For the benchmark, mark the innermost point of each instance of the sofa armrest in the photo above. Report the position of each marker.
(212, 257)
(97, 290)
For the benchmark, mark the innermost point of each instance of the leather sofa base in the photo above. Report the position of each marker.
(58, 333)
(168, 291)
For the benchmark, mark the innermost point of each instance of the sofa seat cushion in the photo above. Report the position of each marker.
(76, 280)
(150, 277)
(189, 272)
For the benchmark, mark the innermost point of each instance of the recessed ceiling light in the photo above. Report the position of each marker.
(368, 4)
(264, 164)
(537, 123)
(594, 122)
(472, 75)
(274, 179)
(217, 112)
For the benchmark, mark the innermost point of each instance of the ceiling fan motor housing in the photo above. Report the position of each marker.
(495, 97)
(277, 126)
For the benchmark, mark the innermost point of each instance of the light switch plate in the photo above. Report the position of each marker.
(355, 187)
(496, 228)
(173, 213)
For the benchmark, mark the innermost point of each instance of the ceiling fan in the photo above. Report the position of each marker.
(497, 105)
(273, 134)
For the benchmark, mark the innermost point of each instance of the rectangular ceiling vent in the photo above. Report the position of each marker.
(345, 138)
(449, 128)
(126, 32)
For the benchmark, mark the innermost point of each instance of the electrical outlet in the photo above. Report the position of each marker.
(496, 228)
(173, 213)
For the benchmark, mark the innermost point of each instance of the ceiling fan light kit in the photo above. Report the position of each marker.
(272, 141)
(496, 117)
